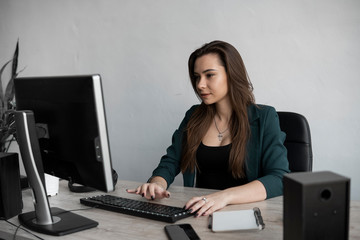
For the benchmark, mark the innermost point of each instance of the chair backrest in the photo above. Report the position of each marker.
(297, 142)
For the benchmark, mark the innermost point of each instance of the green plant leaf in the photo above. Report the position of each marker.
(1, 88)
(7, 108)
(15, 61)
(9, 92)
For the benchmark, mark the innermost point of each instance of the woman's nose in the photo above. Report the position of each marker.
(201, 83)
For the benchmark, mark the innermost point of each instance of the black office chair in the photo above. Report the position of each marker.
(297, 142)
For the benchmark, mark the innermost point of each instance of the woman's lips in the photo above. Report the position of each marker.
(204, 95)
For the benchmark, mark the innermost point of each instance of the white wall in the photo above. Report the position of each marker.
(301, 55)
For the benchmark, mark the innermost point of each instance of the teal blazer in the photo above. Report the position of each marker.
(266, 154)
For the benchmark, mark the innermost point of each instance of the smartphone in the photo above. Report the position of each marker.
(181, 232)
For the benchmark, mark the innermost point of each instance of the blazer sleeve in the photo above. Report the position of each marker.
(169, 166)
(274, 162)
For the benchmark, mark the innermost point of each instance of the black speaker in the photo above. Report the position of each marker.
(316, 206)
(10, 190)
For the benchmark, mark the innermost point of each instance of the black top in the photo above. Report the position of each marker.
(213, 172)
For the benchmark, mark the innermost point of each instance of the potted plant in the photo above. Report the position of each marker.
(7, 103)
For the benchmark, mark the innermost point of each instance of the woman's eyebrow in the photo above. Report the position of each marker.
(207, 70)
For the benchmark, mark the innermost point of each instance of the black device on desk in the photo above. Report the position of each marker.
(181, 232)
(61, 130)
(138, 208)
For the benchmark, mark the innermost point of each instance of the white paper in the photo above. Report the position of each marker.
(234, 220)
(52, 185)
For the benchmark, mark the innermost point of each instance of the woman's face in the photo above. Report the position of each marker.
(211, 79)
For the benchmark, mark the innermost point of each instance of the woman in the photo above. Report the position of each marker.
(227, 142)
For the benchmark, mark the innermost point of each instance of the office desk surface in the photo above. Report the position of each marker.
(120, 226)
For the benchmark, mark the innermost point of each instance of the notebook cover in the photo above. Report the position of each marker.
(235, 220)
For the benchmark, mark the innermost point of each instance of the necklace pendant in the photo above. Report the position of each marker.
(220, 136)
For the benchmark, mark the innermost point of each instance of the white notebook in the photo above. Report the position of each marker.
(236, 220)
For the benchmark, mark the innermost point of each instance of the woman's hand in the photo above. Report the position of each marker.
(206, 205)
(156, 189)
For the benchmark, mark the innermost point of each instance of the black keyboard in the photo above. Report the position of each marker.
(138, 208)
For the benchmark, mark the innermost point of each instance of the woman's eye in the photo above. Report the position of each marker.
(209, 75)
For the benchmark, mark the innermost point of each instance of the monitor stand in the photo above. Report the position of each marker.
(64, 222)
(51, 221)
(79, 188)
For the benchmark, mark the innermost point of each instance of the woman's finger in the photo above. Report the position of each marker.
(135, 191)
(196, 206)
(144, 191)
(205, 209)
(167, 194)
(159, 191)
(209, 211)
(192, 202)
(131, 190)
(152, 189)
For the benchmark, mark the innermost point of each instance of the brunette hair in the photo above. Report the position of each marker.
(240, 92)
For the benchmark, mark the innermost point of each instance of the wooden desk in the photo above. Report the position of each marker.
(120, 226)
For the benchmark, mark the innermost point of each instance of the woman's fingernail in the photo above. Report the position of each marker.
(168, 195)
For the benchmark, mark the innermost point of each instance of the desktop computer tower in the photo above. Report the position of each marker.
(10, 190)
(316, 206)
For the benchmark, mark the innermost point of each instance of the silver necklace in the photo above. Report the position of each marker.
(221, 134)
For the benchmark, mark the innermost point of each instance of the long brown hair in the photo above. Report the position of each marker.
(240, 92)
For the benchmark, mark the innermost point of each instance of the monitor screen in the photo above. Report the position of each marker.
(71, 127)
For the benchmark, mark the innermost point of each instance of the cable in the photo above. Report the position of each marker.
(75, 210)
(19, 227)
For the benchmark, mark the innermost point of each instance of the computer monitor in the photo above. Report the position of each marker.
(61, 130)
